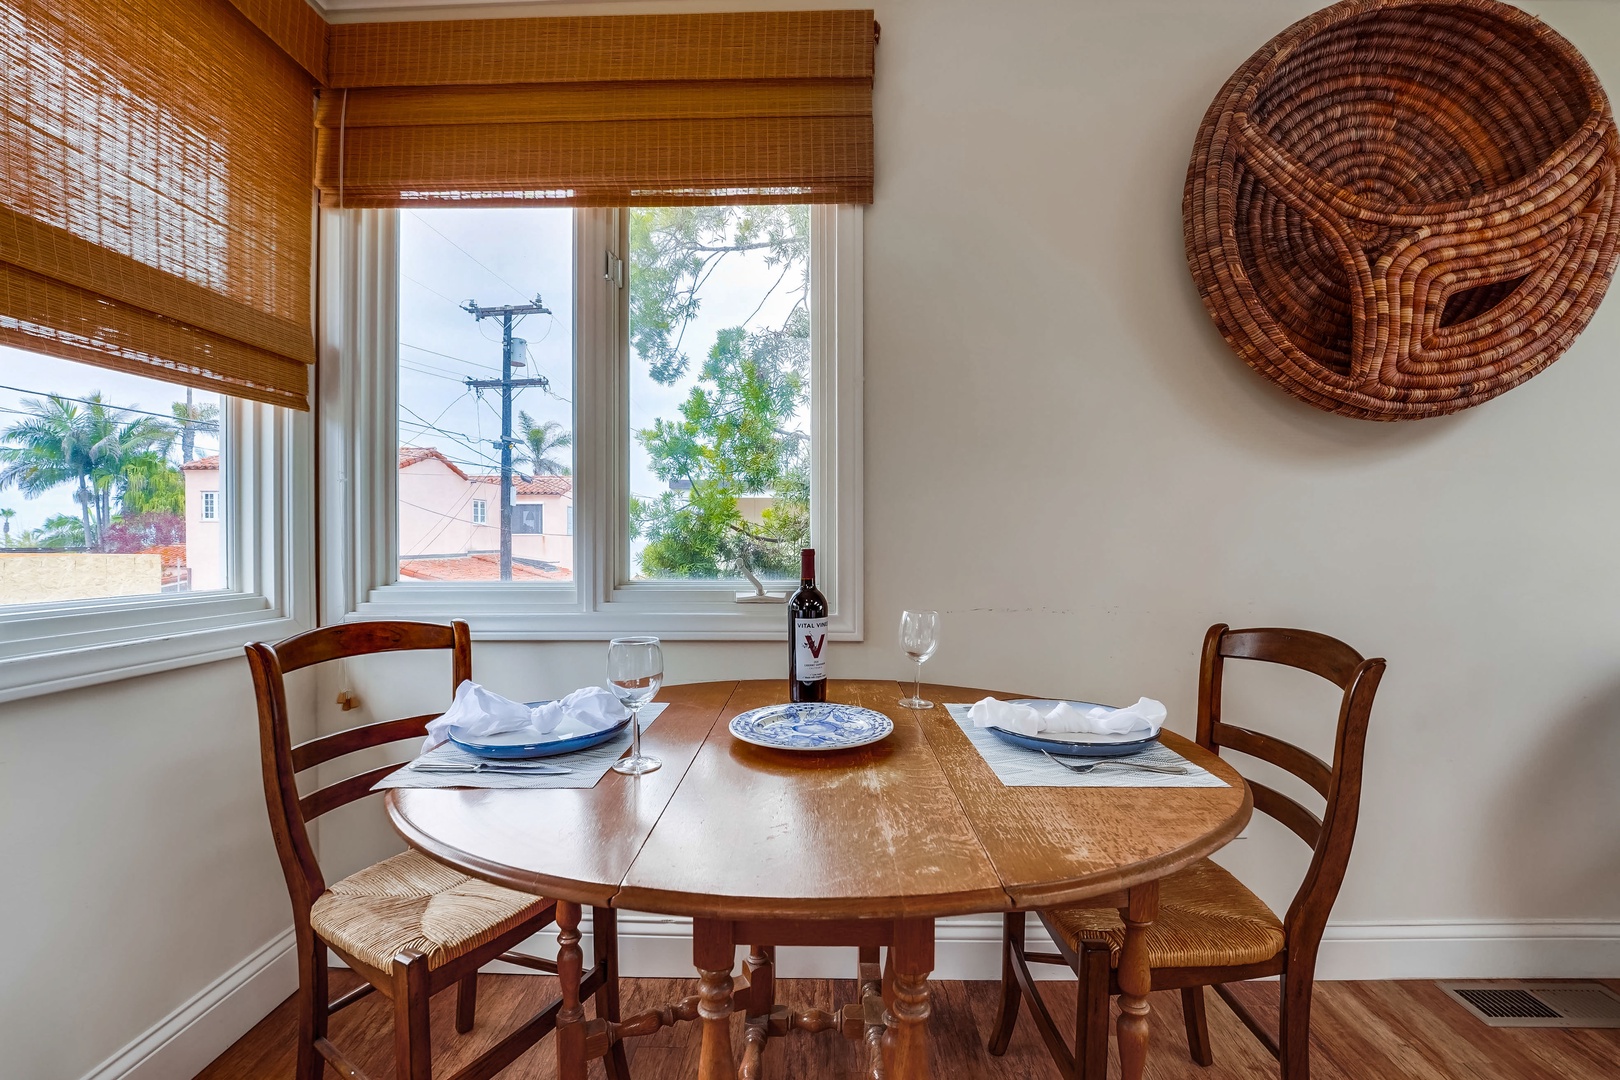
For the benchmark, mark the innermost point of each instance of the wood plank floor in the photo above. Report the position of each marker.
(1361, 1031)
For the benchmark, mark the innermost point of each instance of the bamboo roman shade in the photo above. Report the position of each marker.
(599, 111)
(155, 207)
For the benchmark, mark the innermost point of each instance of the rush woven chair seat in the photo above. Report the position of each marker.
(1206, 919)
(1401, 208)
(1210, 930)
(409, 925)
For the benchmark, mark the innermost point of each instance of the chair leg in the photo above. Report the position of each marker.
(466, 1002)
(605, 945)
(1192, 1011)
(413, 1048)
(1091, 1013)
(1013, 927)
(312, 1002)
(1294, 1024)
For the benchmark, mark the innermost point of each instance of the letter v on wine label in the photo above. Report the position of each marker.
(815, 644)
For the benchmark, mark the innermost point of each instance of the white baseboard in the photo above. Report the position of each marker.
(181, 1044)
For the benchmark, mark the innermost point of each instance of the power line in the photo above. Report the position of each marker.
(197, 425)
(467, 253)
(447, 356)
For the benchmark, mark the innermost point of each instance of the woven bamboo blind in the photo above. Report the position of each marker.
(155, 211)
(600, 111)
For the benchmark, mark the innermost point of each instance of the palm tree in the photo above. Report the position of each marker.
(539, 442)
(88, 444)
(189, 419)
(6, 514)
(59, 531)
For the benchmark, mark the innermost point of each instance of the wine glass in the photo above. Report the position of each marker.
(919, 636)
(635, 672)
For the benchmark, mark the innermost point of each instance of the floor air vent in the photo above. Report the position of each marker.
(1539, 1005)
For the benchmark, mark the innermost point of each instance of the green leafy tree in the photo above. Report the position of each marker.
(151, 485)
(735, 437)
(539, 443)
(6, 514)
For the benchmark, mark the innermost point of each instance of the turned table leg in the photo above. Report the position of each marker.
(905, 1036)
(1135, 979)
(571, 1060)
(713, 953)
(761, 965)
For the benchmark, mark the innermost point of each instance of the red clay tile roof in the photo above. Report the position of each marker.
(411, 455)
(211, 462)
(532, 485)
(473, 568)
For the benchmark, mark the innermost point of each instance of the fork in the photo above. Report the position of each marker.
(1175, 770)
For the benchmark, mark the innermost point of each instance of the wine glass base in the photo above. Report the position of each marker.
(916, 703)
(635, 766)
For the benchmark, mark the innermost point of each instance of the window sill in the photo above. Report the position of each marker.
(51, 651)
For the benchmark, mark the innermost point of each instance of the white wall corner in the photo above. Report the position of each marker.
(184, 1042)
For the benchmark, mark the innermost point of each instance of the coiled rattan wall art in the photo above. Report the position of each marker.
(1401, 208)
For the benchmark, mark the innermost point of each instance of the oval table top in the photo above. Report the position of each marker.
(914, 826)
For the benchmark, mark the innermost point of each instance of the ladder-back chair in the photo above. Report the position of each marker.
(409, 925)
(1211, 930)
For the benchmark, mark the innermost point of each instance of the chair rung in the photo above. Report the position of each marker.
(334, 1057)
(350, 998)
(534, 963)
(1045, 958)
(1249, 1021)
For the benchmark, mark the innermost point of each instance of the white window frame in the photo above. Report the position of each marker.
(480, 512)
(210, 506)
(267, 540)
(359, 433)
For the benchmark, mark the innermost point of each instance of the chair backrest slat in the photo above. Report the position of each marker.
(332, 796)
(282, 762)
(1331, 835)
(1305, 825)
(317, 751)
(1285, 755)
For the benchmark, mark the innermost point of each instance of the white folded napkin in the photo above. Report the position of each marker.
(1146, 716)
(477, 711)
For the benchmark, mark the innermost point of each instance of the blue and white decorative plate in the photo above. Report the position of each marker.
(811, 725)
(1075, 743)
(565, 738)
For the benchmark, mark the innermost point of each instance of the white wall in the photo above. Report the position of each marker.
(137, 864)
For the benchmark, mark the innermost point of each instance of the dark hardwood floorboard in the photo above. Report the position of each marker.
(1384, 1030)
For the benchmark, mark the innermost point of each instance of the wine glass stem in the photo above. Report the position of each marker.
(916, 689)
(635, 732)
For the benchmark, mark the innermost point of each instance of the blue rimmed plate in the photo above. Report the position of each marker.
(1075, 743)
(811, 725)
(565, 738)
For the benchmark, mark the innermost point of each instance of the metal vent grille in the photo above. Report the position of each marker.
(1546, 1005)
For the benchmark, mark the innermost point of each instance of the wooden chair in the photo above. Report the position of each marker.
(1211, 930)
(409, 925)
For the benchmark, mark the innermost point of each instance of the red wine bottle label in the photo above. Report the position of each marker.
(810, 649)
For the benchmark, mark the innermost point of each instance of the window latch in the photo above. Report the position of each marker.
(613, 270)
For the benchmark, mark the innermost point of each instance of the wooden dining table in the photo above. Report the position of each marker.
(863, 847)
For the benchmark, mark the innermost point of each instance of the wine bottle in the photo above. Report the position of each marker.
(807, 635)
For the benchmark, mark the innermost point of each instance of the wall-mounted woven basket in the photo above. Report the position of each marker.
(1401, 208)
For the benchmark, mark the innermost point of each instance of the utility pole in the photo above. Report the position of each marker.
(506, 384)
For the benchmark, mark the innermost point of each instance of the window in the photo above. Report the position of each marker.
(677, 392)
(102, 484)
(121, 549)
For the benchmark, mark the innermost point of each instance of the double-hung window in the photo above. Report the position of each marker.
(650, 411)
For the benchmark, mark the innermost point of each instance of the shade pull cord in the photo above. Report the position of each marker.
(343, 127)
